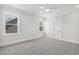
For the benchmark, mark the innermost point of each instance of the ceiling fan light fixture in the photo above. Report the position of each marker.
(47, 10)
(77, 6)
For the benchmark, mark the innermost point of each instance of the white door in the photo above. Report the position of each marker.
(57, 24)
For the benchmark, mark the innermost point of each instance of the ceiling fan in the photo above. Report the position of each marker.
(49, 8)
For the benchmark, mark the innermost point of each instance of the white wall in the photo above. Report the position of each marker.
(29, 27)
(1, 27)
(64, 27)
(71, 27)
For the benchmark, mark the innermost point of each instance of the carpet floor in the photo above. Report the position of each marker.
(42, 46)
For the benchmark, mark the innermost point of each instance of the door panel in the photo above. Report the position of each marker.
(57, 28)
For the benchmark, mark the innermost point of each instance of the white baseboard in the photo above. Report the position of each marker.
(71, 41)
(19, 41)
(76, 42)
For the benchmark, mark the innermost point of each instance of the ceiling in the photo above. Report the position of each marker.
(54, 8)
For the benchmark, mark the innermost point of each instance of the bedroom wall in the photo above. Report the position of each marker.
(1, 27)
(28, 26)
(65, 26)
(71, 27)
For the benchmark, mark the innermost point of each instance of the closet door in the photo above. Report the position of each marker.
(57, 24)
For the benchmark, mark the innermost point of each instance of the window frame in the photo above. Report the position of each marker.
(13, 24)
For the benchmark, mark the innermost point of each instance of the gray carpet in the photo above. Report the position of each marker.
(42, 46)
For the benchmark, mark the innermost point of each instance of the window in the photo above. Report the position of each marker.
(11, 24)
(41, 26)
